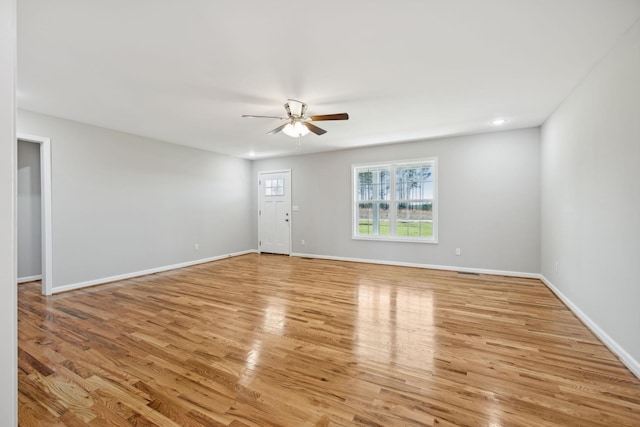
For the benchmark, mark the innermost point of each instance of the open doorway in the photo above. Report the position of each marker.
(29, 212)
(34, 211)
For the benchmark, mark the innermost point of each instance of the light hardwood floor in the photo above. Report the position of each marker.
(270, 340)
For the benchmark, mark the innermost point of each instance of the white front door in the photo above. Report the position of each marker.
(274, 214)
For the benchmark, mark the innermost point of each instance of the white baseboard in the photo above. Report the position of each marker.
(428, 266)
(103, 280)
(29, 278)
(626, 358)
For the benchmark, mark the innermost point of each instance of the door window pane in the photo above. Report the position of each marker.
(274, 187)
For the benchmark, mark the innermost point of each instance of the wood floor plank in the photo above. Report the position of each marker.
(263, 340)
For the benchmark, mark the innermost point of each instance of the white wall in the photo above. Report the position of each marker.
(489, 201)
(124, 204)
(591, 199)
(29, 210)
(8, 304)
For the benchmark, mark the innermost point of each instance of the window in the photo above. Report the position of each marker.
(395, 201)
(274, 187)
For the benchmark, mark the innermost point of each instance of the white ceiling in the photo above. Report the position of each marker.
(185, 71)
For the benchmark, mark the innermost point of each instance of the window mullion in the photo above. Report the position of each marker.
(375, 204)
(392, 203)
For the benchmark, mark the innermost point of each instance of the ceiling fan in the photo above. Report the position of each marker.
(298, 123)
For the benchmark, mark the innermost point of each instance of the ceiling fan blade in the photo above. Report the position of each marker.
(315, 129)
(276, 130)
(251, 116)
(339, 116)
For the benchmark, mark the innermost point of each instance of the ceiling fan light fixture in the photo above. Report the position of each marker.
(295, 130)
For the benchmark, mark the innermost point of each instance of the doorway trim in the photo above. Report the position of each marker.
(46, 224)
(260, 174)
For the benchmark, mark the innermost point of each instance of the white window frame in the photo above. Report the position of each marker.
(392, 165)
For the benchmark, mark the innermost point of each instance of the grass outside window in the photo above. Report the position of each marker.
(403, 228)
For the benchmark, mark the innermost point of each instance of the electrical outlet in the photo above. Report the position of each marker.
(458, 252)
(302, 242)
(196, 247)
